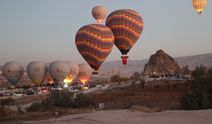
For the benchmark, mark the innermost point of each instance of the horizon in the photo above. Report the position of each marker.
(130, 60)
(45, 30)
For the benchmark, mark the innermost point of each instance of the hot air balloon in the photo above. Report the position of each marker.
(0, 69)
(37, 71)
(13, 72)
(94, 42)
(199, 5)
(85, 72)
(74, 70)
(127, 26)
(99, 13)
(49, 79)
(59, 70)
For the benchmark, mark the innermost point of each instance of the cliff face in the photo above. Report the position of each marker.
(161, 63)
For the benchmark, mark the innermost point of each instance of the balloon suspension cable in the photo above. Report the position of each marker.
(124, 59)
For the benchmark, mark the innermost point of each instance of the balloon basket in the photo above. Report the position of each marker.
(95, 73)
(124, 59)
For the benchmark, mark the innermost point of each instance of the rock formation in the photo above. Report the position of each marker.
(161, 63)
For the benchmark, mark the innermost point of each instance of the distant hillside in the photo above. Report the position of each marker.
(132, 66)
(193, 61)
(138, 65)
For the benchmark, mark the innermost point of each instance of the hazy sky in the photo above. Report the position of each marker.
(45, 29)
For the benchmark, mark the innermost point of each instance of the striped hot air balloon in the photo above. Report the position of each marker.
(127, 26)
(94, 42)
(37, 71)
(199, 5)
(13, 72)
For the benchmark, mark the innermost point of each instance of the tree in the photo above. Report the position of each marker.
(201, 90)
(7, 102)
(118, 78)
(115, 78)
(136, 76)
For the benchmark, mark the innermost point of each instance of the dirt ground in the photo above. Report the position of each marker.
(155, 99)
(132, 117)
(164, 96)
(30, 99)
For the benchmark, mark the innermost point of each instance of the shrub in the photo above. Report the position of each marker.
(135, 76)
(82, 101)
(115, 78)
(92, 85)
(62, 99)
(34, 107)
(118, 79)
(2, 112)
(7, 102)
(201, 90)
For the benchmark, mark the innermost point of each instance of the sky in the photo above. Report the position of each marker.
(45, 30)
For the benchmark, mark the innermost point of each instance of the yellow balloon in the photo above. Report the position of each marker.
(199, 5)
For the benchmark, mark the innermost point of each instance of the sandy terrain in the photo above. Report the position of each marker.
(133, 117)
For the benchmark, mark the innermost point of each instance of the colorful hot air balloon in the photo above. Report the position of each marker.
(99, 13)
(127, 26)
(13, 72)
(94, 42)
(37, 71)
(59, 70)
(85, 72)
(74, 70)
(199, 5)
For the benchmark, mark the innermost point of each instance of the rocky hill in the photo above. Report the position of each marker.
(138, 65)
(193, 61)
(161, 63)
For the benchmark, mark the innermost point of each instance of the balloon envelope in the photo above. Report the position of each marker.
(59, 70)
(199, 5)
(13, 72)
(127, 26)
(99, 13)
(74, 70)
(49, 79)
(37, 71)
(85, 72)
(94, 42)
